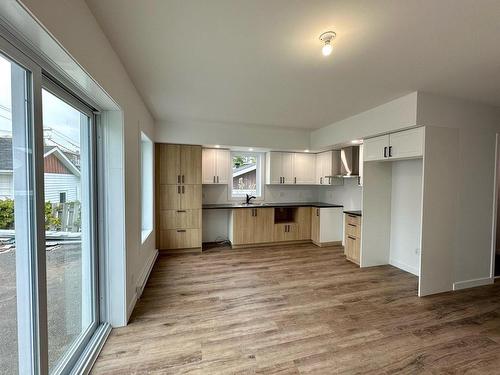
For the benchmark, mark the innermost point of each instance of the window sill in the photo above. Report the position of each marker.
(145, 235)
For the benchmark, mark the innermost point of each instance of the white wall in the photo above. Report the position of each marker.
(477, 125)
(72, 24)
(349, 195)
(395, 115)
(406, 213)
(235, 135)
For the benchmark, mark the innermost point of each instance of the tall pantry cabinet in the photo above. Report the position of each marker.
(178, 196)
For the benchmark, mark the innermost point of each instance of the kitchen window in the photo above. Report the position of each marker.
(246, 168)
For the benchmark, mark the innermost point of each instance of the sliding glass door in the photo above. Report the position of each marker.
(69, 210)
(48, 249)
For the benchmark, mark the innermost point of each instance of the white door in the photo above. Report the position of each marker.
(287, 167)
(222, 166)
(407, 144)
(376, 148)
(304, 168)
(275, 168)
(208, 166)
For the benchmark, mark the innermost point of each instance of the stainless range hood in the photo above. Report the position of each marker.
(346, 162)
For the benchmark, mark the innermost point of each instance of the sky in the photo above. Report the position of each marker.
(56, 114)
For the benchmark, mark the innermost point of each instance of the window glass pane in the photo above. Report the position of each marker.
(246, 174)
(15, 220)
(67, 184)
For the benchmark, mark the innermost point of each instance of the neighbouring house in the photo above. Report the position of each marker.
(61, 177)
(245, 177)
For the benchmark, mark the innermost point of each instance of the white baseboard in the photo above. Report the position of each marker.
(472, 283)
(404, 266)
(143, 279)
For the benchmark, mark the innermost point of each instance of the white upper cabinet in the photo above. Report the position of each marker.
(304, 169)
(323, 167)
(401, 145)
(288, 168)
(407, 144)
(215, 166)
(376, 148)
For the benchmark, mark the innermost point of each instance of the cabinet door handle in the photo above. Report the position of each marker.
(181, 210)
(353, 216)
(214, 179)
(351, 225)
(321, 180)
(385, 151)
(182, 178)
(295, 180)
(183, 189)
(217, 179)
(390, 151)
(181, 230)
(178, 178)
(317, 211)
(352, 238)
(255, 210)
(178, 189)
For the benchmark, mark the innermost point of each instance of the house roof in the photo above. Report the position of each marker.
(244, 169)
(69, 160)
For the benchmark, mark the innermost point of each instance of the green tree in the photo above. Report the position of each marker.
(7, 214)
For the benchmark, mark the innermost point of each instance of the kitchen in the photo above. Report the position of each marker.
(246, 198)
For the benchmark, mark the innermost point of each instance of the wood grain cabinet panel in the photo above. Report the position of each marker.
(286, 232)
(180, 238)
(169, 197)
(303, 220)
(315, 224)
(180, 219)
(190, 161)
(352, 238)
(168, 167)
(253, 225)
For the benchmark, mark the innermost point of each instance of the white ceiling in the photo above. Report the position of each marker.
(260, 62)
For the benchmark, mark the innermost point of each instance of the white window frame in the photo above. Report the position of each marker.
(147, 210)
(259, 175)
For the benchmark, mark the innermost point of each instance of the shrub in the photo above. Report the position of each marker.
(7, 214)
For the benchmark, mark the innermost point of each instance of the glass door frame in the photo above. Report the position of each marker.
(32, 285)
(69, 359)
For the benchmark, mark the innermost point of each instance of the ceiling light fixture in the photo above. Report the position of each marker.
(306, 150)
(217, 146)
(327, 38)
(250, 149)
(356, 141)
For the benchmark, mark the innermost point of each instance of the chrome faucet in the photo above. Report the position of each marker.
(249, 197)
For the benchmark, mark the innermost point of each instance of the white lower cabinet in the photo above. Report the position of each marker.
(326, 225)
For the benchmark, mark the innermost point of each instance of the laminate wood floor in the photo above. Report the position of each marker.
(300, 310)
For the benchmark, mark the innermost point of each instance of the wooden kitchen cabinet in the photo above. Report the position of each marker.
(178, 196)
(216, 164)
(252, 225)
(286, 232)
(279, 168)
(352, 237)
(303, 220)
(179, 219)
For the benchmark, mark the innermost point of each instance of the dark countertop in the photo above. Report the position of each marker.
(357, 213)
(229, 206)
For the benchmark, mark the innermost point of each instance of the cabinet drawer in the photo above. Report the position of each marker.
(180, 219)
(352, 250)
(180, 238)
(353, 219)
(353, 230)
